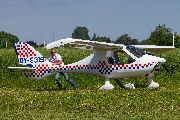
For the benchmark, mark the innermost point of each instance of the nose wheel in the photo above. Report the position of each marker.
(153, 85)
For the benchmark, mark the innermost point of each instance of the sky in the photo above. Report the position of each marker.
(37, 19)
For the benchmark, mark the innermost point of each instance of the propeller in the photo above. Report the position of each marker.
(165, 66)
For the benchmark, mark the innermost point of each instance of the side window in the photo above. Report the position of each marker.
(122, 58)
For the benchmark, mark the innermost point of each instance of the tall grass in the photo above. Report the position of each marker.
(23, 98)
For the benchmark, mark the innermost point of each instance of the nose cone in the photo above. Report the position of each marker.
(161, 60)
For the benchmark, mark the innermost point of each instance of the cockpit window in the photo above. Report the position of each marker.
(135, 51)
(119, 57)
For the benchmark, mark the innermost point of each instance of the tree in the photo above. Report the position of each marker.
(161, 36)
(4, 36)
(108, 40)
(101, 39)
(134, 42)
(94, 37)
(176, 40)
(124, 39)
(144, 42)
(32, 43)
(41, 45)
(80, 33)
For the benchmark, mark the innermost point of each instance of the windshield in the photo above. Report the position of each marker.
(135, 51)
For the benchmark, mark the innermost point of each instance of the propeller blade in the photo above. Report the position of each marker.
(166, 68)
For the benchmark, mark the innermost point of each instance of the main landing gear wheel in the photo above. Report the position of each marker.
(107, 85)
(127, 86)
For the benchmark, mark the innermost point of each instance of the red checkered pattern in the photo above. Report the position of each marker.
(24, 50)
(101, 63)
(40, 68)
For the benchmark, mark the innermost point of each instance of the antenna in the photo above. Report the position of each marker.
(44, 41)
(173, 39)
(53, 36)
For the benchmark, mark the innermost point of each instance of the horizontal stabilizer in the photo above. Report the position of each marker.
(22, 68)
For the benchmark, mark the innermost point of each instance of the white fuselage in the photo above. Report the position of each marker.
(97, 64)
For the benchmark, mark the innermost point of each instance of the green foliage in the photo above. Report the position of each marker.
(94, 37)
(101, 39)
(176, 40)
(123, 57)
(23, 98)
(126, 40)
(172, 60)
(4, 36)
(80, 33)
(32, 43)
(144, 42)
(134, 42)
(161, 36)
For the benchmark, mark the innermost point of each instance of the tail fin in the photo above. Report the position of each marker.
(28, 56)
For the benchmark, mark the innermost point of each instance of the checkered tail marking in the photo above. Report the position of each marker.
(28, 56)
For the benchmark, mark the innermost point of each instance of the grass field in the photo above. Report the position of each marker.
(41, 99)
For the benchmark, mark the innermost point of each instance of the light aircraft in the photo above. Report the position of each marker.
(110, 61)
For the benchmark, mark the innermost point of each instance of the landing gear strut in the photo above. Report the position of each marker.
(119, 83)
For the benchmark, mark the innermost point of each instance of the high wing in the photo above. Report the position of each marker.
(154, 48)
(85, 44)
(96, 46)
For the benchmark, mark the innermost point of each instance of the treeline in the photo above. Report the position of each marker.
(161, 36)
(4, 36)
